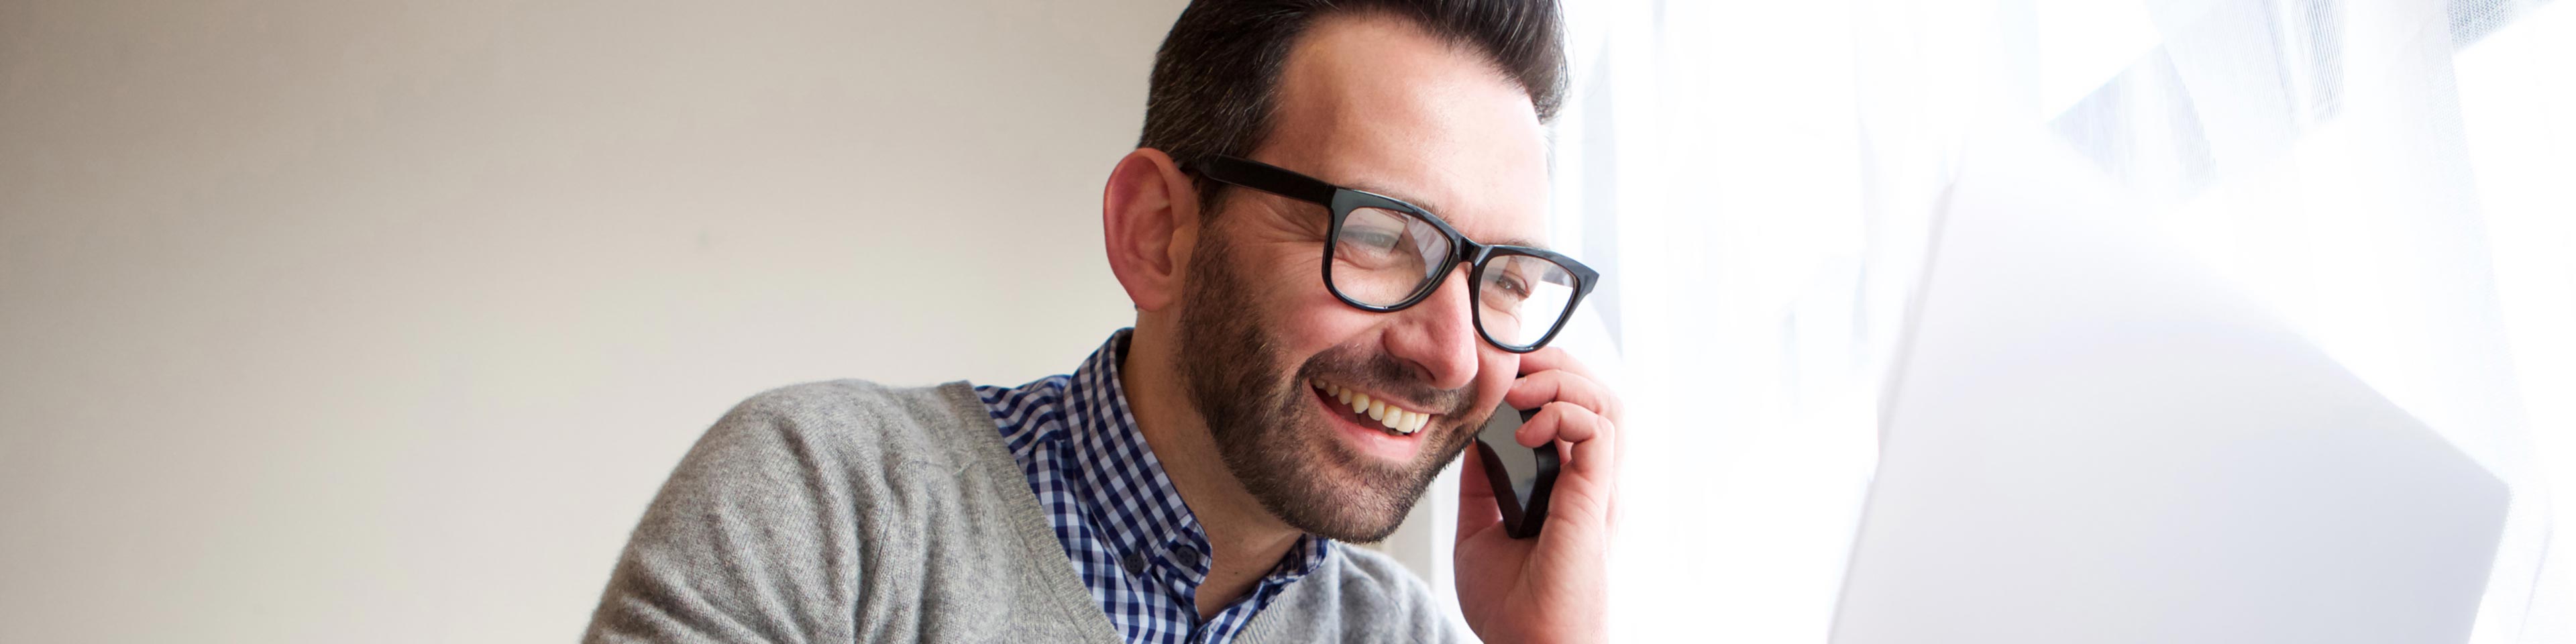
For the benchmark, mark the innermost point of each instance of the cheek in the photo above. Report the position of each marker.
(1496, 370)
(1311, 320)
(1303, 315)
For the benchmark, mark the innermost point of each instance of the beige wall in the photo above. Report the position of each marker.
(363, 321)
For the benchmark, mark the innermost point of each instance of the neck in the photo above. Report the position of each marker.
(1245, 539)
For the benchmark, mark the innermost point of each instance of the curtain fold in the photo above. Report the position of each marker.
(1757, 182)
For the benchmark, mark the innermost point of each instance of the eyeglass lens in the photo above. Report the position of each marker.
(1381, 257)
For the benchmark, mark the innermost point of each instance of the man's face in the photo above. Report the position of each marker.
(1374, 104)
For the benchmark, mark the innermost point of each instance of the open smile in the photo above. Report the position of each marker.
(1367, 410)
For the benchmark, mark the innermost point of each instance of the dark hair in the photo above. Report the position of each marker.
(1216, 78)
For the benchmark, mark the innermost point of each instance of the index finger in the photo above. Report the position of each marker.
(1552, 358)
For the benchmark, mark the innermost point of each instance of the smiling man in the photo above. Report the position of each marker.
(1330, 233)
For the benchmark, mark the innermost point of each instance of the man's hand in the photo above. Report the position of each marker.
(1553, 588)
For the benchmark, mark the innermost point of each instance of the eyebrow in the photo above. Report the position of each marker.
(1436, 209)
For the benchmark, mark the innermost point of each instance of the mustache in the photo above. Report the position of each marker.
(1379, 372)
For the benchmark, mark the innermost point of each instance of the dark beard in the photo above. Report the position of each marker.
(1268, 429)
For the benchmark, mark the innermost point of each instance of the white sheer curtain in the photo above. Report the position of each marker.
(1755, 178)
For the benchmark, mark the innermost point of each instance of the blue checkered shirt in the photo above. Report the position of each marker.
(1132, 540)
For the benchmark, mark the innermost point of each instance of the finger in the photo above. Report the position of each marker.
(1592, 443)
(1591, 439)
(1550, 359)
(1555, 371)
(1562, 421)
(1477, 511)
(1587, 479)
(1531, 391)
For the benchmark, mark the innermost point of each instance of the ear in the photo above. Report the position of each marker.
(1150, 216)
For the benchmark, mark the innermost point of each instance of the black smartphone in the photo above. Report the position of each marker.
(1522, 477)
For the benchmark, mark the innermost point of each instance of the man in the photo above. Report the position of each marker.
(1321, 326)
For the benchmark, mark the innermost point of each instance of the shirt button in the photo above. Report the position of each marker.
(1135, 564)
(1185, 554)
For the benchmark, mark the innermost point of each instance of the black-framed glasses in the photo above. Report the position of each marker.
(1387, 255)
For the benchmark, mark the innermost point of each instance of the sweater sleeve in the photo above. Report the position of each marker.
(753, 539)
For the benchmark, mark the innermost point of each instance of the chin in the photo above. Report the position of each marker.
(1333, 491)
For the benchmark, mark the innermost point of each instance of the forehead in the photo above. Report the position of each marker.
(1375, 103)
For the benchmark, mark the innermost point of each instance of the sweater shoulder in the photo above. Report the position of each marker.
(867, 416)
(861, 439)
(852, 399)
(847, 511)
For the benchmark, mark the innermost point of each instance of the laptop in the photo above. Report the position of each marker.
(2089, 439)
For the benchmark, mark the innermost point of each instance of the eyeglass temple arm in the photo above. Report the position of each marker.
(1269, 178)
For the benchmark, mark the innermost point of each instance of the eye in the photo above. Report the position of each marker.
(1373, 243)
(1506, 288)
(1379, 240)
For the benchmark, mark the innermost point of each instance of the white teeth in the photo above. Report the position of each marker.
(1396, 419)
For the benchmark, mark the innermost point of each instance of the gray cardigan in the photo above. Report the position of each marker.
(847, 511)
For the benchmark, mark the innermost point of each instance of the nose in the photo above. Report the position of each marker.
(1437, 337)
